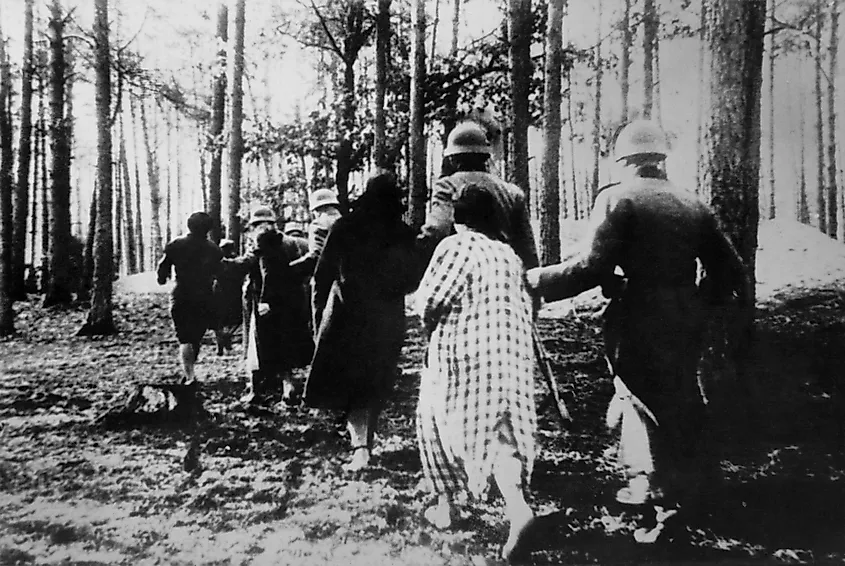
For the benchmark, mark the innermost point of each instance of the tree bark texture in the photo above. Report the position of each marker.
(416, 143)
(100, 320)
(236, 141)
(821, 208)
(382, 62)
(649, 34)
(7, 314)
(154, 178)
(771, 88)
(833, 71)
(218, 118)
(59, 284)
(732, 134)
(625, 61)
(21, 198)
(521, 70)
(549, 204)
(599, 69)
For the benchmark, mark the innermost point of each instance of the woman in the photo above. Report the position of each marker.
(366, 268)
(476, 416)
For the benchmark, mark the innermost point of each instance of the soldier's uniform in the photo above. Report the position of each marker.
(654, 325)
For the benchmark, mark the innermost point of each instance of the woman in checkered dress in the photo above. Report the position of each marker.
(476, 416)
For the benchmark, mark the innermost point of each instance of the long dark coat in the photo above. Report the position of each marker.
(283, 337)
(360, 282)
(654, 326)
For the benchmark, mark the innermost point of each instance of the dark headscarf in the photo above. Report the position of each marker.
(475, 208)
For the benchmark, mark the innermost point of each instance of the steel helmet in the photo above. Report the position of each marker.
(262, 214)
(467, 137)
(294, 228)
(322, 197)
(641, 138)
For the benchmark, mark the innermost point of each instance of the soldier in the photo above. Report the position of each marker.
(465, 161)
(196, 260)
(653, 328)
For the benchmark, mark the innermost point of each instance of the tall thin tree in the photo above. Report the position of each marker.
(771, 88)
(21, 200)
(649, 35)
(100, 320)
(236, 141)
(599, 70)
(7, 314)
(520, 31)
(549, 204)
(821, 202)
(416, 143)
(832, 73)
(59, 284)
(382, 62)
(218, 118)
(625, 61)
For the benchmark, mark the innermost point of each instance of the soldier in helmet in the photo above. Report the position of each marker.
(196, 261)
(465, 161)
(276, 334)
(653, 328)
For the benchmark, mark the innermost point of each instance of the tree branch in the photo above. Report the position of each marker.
(324, 24)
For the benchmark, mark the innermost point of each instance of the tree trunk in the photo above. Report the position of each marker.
(168, 190)
(771, 88)
(649, 35)
(416, 142)
(59, 284)
(136, 152)
(833, 70)
(7, 313)
(658, 99)
(87, 282)
(21, 200)
(382, 62)
(117, 215)
(154, 179)
(597, 116)
(434, 25)
(803, 204)
(456, 26)
(820, 181)
(236, 142)
(625, 63)
(735, 38)
(100, 321)
(128, 217)
(702, 102)
(576, 211)
(45, 199)
(218, 117)
(520, 59)
(549, 204)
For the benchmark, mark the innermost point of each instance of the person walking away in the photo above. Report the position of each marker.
(465, 161)
(277, 338)
(653, 329)
(196, 261)
(476, 416)
(368, 265)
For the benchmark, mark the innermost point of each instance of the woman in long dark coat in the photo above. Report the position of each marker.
(368, 265)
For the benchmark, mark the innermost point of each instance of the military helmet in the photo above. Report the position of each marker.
(262, 214)
(322, 197)
(641, 138)
(467, 137)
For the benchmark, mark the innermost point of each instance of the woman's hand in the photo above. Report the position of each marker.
(263, 308)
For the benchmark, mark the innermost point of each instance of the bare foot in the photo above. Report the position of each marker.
(360, 460)
(520, 522)
(439, 515)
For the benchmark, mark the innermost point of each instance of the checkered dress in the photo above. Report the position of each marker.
(478, 384)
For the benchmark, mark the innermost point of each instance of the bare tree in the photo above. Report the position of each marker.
(549, 204)
(7, 314)
(817, 84)
(416, 144)
(382, 62)
(649, 35)
(100, 320)
(218, 117)
(58, 282)
(833, 69)
(520, 57)
(21, 200)
(236, 140)
(735, 39)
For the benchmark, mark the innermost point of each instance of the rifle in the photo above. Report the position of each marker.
(545, 364)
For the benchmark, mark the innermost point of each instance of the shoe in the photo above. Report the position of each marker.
(360, 459)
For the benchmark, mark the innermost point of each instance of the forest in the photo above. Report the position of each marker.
(118, 119)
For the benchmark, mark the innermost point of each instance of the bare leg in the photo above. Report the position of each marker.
(508, 474)
(188, 356)
(358, 425)
(440, 514)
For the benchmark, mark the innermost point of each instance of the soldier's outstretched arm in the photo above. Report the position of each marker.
(596, 258)
(164, 267)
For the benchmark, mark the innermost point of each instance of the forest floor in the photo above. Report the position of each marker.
(270, 489)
